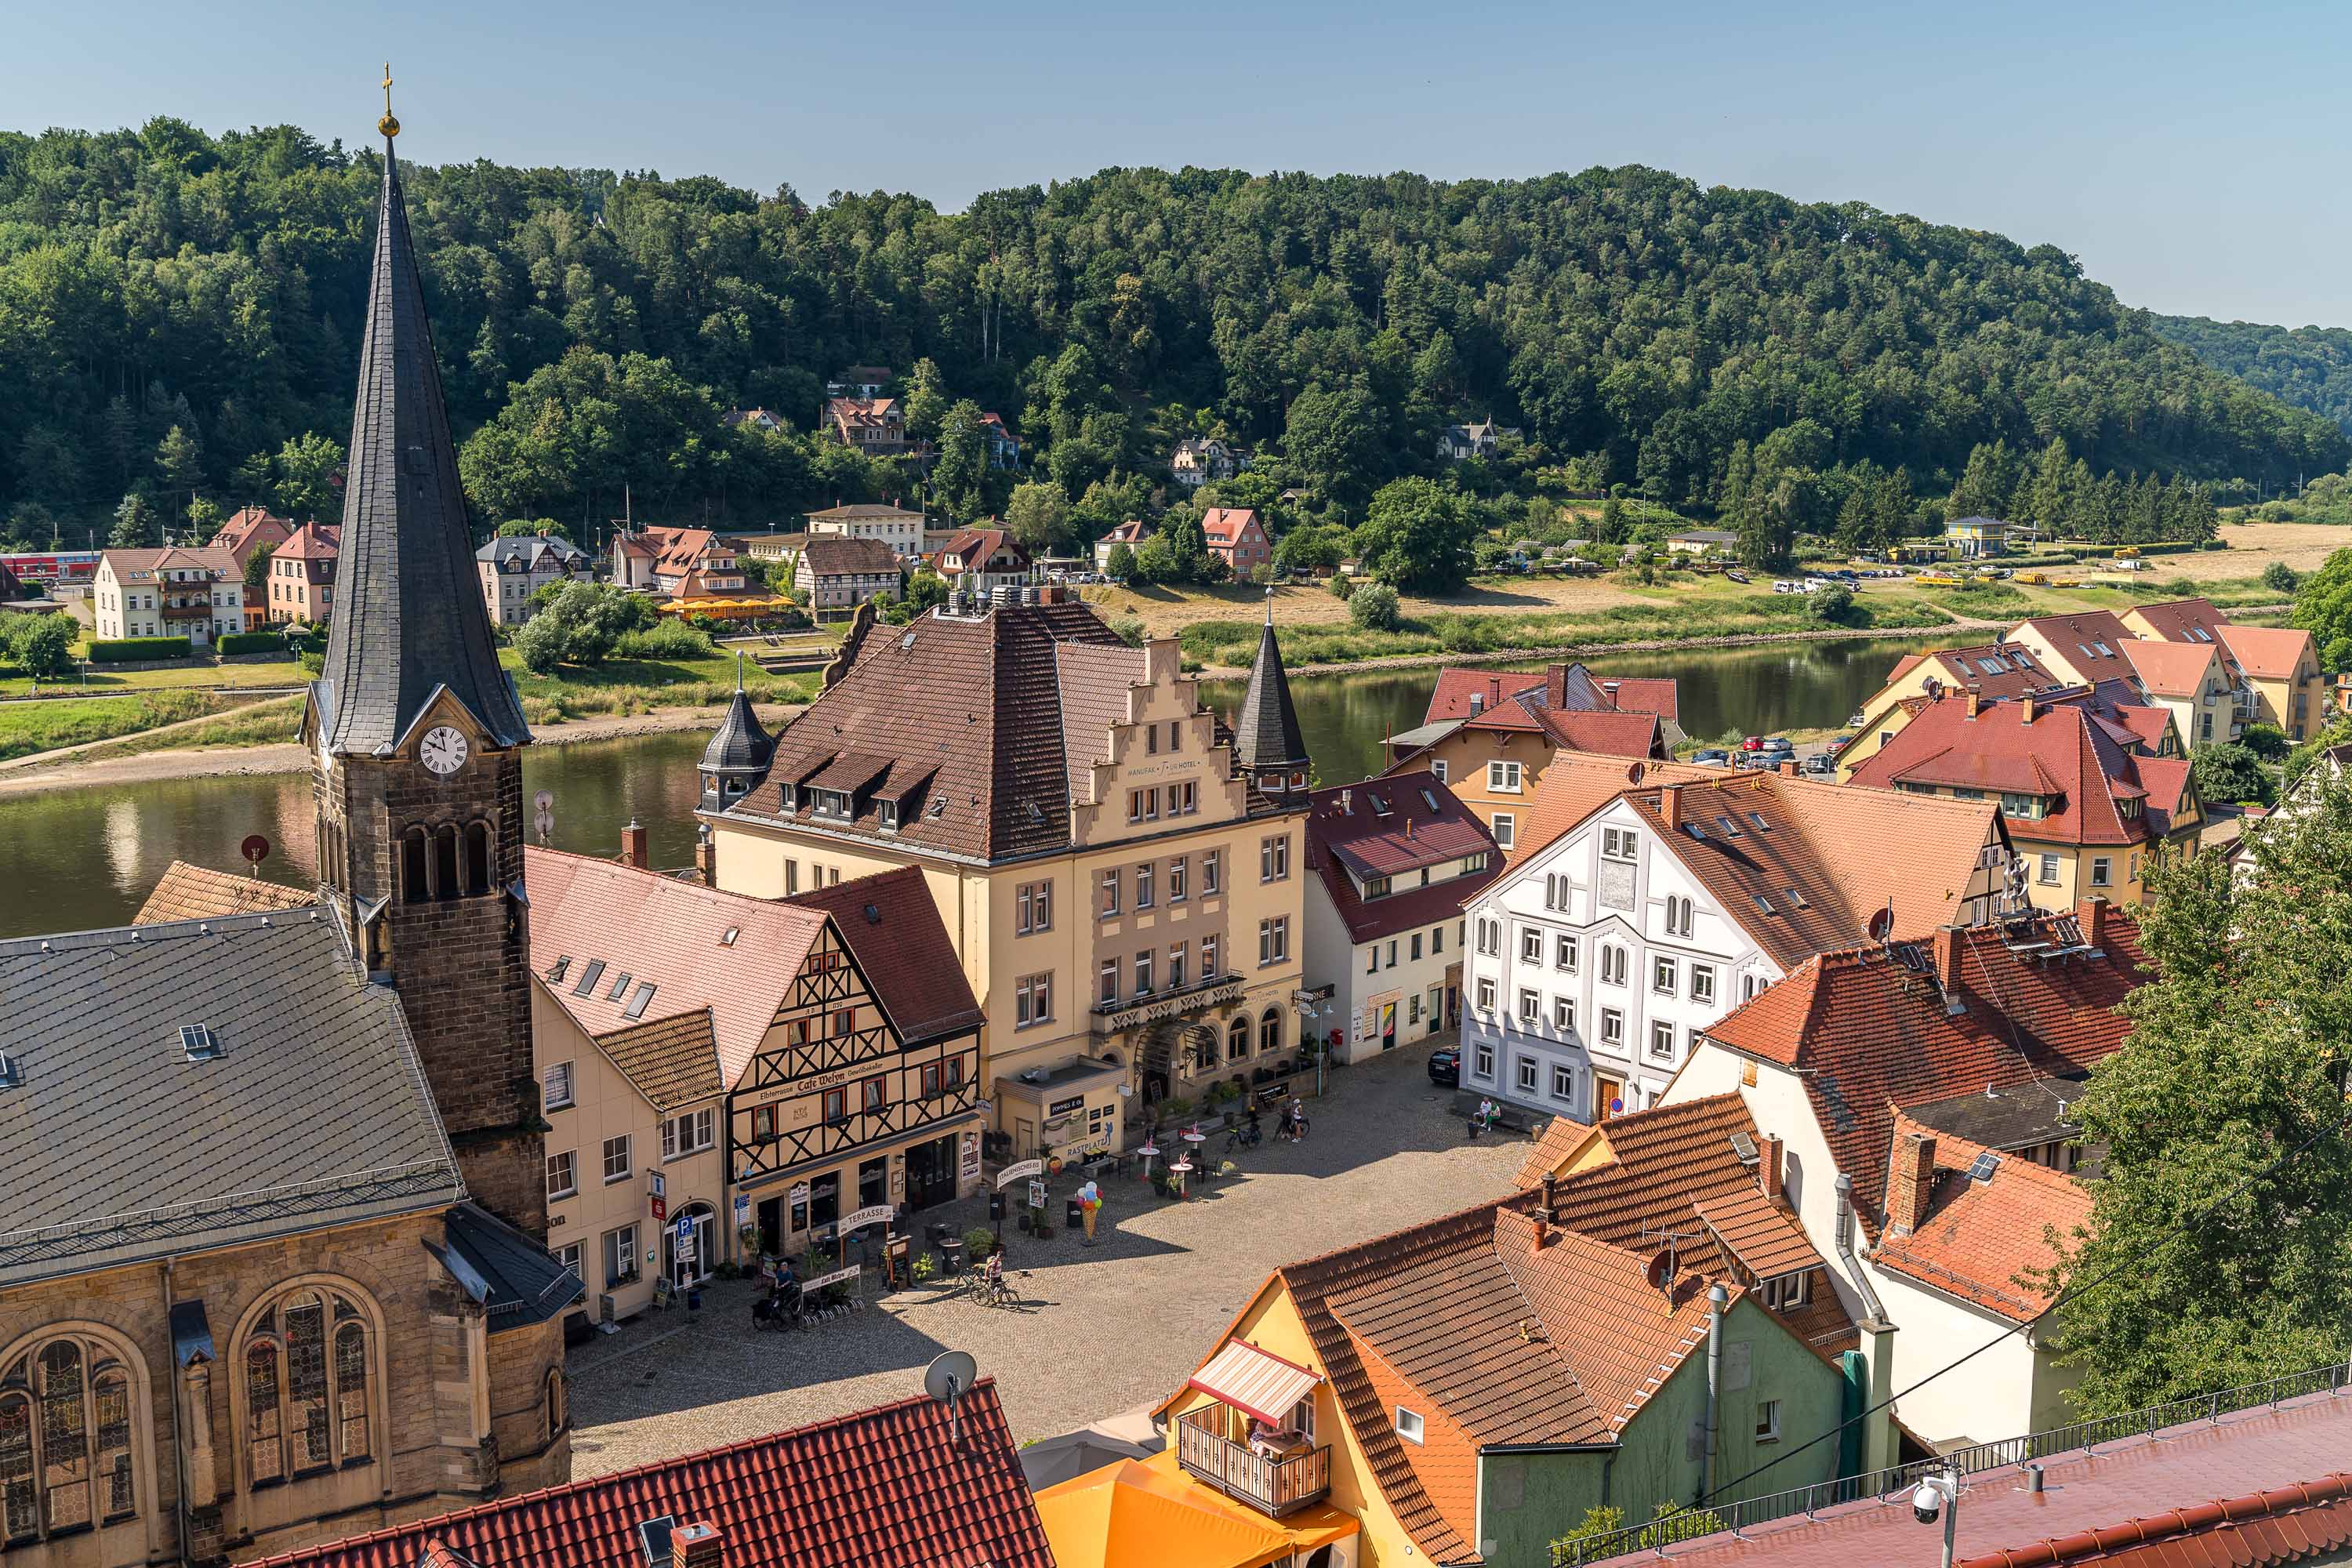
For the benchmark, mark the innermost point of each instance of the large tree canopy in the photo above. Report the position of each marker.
(593, 327)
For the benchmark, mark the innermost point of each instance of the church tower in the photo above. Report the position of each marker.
(1266, 740)
(415, 735)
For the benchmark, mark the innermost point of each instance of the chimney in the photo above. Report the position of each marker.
(1976, 702)
(1788, 769)
(1346, 797)
(1408, 830)
(1770, 1174)
(706, 855)
(1670, 806)
(2025, 712)
(2091, 914)
(1554, 686)
(1948, 961)
(633, 845)
(1909, 1184)
(1546, 1211)
(698, 1545)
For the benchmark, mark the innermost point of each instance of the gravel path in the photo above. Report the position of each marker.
(1096, 1331)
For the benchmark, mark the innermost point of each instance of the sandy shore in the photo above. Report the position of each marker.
(227, 761)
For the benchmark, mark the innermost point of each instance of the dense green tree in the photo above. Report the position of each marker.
(1373, 608)
(1120, 562)
(256, 567)
(2229, 771)
(178, 462)
(927, 399)
(1038, 513)
(1988, 485)
(2322, 606)
(529, 527)
(2216, 1254)
(1417, 535)
(1333, 438)
(309, 471)
(40, 645)
(961, 466)
(578, 623)
(136, 524)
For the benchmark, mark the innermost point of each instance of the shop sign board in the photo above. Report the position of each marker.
(661, 1209)
(838, 1277)
(743, 1210)
(971, 1156)
(1036, 1194)
(876, 1214)
(800, 1193)
(1013, 1173)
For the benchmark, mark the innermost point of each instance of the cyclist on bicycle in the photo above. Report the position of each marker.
(992, 1278)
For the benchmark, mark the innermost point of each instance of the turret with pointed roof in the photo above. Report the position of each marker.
(739, 751)
(1266, 741)
(410, 619)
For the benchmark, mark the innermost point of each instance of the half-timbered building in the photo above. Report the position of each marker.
(726, 1077)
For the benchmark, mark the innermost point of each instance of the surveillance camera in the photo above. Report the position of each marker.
(1926, 1503)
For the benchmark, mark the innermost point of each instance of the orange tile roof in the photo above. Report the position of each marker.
(2170, 668)
(1226, 524)
(1606, 734)
(673, 1061)
(2180, 620)
(1979, 1238)
(192, 892)
(1575, 786)
(2268, 653)
(2077, 639)
(1869, 1030)
(2061, 752)
(1993, 669)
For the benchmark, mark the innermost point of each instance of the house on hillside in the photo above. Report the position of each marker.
(762, 419)
(1204, 461)
(1702, 542)
(1920, 1092)
(1483, 438)
(174, 592)
(858, 381)
(874, 425)
(1603, 953)
(982, 560)
(1131, 533)
(1004, 446)
(835, 576)
(514, 569)
(302, 582)
(1237, 538)
(1392, 859)
(894, 526)
(1975, 538)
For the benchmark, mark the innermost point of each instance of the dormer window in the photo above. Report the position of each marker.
(790, 795)
(1375, 886)
(890, 815)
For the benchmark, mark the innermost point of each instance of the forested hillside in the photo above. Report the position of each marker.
(2310, 367)
(179, 314)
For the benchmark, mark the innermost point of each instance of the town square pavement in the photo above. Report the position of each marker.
(1095, 1331)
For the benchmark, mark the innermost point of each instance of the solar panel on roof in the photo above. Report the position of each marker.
(588, 977)
(1986, 1164)
(637, 1008)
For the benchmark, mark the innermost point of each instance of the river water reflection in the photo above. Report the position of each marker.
(75, 859)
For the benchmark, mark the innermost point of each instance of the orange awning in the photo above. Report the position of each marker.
(1146, 1513)
(1255, 1382)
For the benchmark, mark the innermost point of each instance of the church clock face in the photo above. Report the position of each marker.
(443, 750)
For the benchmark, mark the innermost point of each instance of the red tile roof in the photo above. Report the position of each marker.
(1225, 525)
(2180, 620)
(1870, 1031)
(668, 933)
(191, 892)
(1571, 685)
(1574, 788)
(894, 933)
(2077, 639)
(311, 542)
(977, 547)
(2136, 1502)
(886, 1488)
(1660, 694)
(834, 555)
(1980, 1240)
(2170, 668)
(2268, 653)
(1994, 669)
(1606, 734)
(2059, 751)
(1345, 829)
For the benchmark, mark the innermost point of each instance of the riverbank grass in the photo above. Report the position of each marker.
(26, 728)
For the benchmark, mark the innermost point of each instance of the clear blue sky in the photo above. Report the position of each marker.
(2192, 155)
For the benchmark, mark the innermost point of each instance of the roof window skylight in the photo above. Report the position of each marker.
(637, 1008)
(198, 1041)
(588, 978)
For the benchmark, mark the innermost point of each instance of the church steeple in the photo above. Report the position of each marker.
(410, 619)
(1266, 740)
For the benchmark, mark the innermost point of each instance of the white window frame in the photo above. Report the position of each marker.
(1612, 1027)
(1525, 1074)
(1531, 944)
(1563, 1082)
(1530, 1006)
(569, 1162)
(628, 1160)
(1563, 1014)
(556, 1073)
(1505, 830)
(1410, 1425)
(1702, 983)
(1666, 976)
(1660, 1031)
(1505, 778)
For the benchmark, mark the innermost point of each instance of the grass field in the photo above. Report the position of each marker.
(29, 727)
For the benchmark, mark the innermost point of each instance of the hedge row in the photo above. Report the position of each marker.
(252, 642)
(129, 650)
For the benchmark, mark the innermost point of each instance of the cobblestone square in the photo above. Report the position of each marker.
(1095, 1331)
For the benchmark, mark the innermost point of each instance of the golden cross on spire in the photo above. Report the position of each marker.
(388, 125)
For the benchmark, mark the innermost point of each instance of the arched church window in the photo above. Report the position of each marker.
(66, 1435)
(414, 887)
(308, 1386)
(478, 858)
(445, 862)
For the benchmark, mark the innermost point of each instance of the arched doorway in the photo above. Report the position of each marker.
(691, 1245)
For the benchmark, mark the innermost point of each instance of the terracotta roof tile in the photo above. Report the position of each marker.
(2170, 668)
(2268, 653)
(2180, 620)
(670, 934)
(894, 933)
(1660, 695)
(1574, 788)
(2059, 753)
(1979, 1238)
(1994, 669)
(886, 1487)
(1226, 524)
(2078, 638)
(1869, 1032)
(673, 1061)
(192, 892)
(837, 555)
(1605, 734)
(1396, 844)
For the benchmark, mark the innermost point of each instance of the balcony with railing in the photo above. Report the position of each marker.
(1273, 1484)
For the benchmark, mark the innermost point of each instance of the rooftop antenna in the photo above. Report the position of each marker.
(947, 1380)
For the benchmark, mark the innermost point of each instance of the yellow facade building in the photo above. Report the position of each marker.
(1121, 873)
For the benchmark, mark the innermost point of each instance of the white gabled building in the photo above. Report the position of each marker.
(168, 593)
(1392, 859)
(1615, 939)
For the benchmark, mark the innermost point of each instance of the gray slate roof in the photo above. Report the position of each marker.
(121, 1149)
(531, 550)
(1266, 736)
(522, 1282)
(741, 747)
(411, 617)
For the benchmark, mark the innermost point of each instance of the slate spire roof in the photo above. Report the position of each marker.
(411, 619)
(1266, 736)
(741, 747)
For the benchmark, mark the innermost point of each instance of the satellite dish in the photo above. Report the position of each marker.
(1660, 1270)
(951, 1376)
(255, 848)
(1882, 924)
(543, 808)
(1634, 773)
(947, 1380)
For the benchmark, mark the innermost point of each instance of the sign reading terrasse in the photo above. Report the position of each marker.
(877, 1213)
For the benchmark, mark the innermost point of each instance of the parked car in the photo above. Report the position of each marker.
(1818, 765)
(1445, 1067)
(1781, 743)
(1712, 757)
(1752, 742)
(1836, 743)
